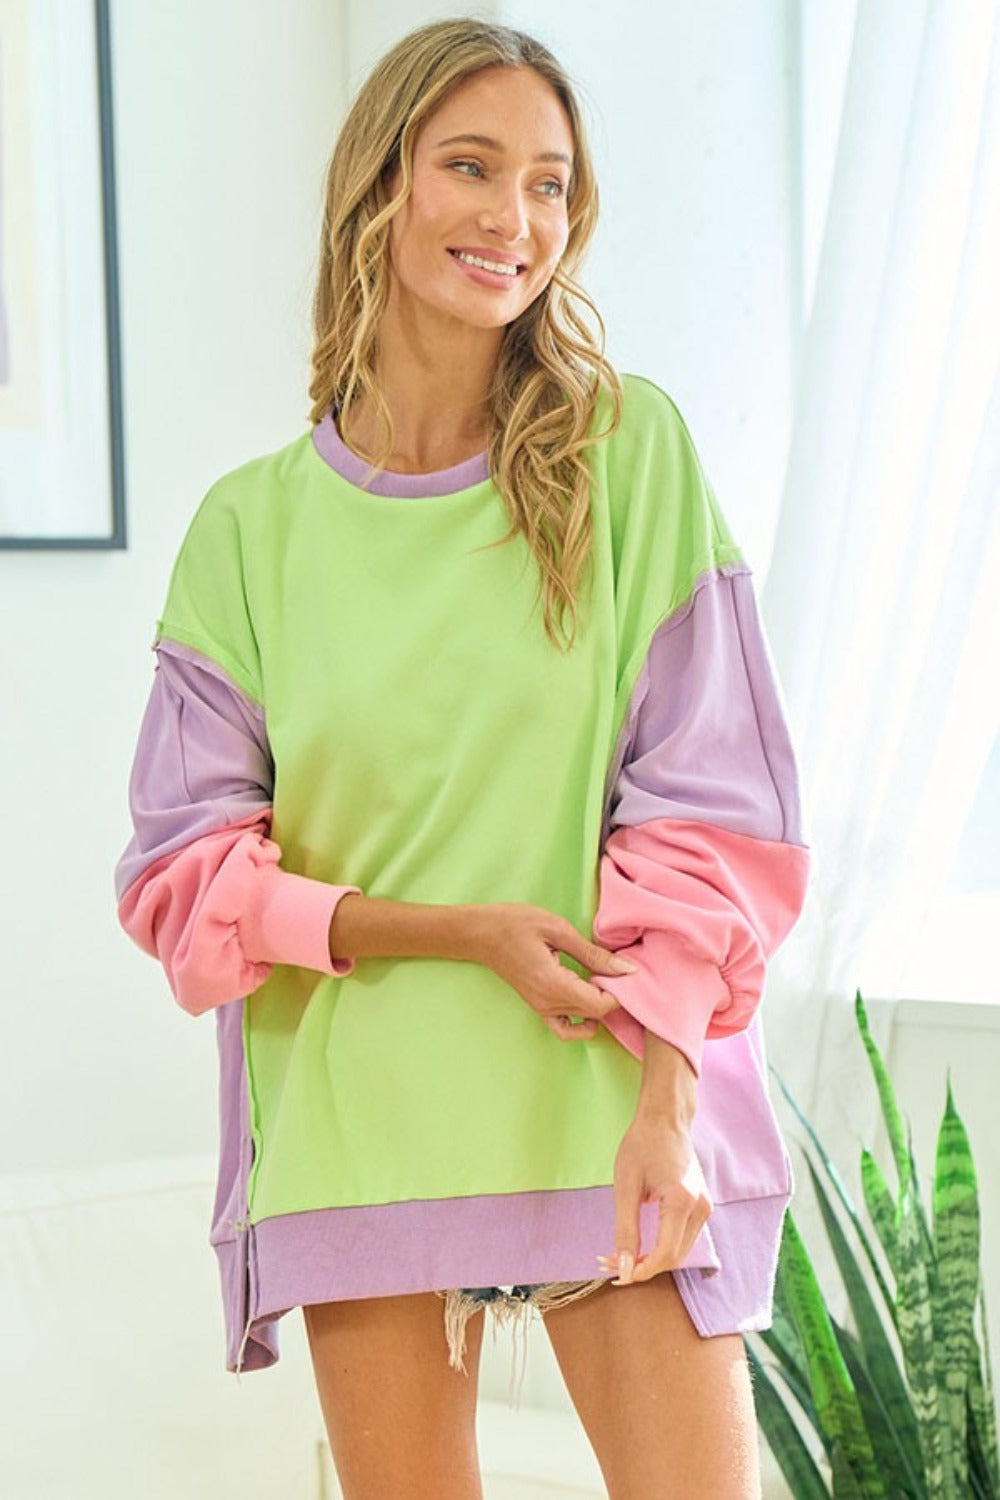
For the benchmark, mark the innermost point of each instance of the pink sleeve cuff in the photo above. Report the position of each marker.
(700, 909)
(288, 921)
(220, 912)
(674, 994)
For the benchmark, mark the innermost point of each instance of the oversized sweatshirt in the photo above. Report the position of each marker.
(354, 691)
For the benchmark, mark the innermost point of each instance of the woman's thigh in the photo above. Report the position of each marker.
(669, 1414)
(401, 1421)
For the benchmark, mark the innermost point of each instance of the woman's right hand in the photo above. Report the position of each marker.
(522, 944)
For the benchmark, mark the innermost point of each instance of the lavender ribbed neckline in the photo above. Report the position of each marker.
(334, 451)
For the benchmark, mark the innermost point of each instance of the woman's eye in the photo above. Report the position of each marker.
(552, 187)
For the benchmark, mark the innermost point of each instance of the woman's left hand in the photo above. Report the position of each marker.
(656, 1163)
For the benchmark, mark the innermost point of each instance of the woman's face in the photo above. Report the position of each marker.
(491, 167)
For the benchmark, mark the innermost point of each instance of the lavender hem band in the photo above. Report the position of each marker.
(323, 1256)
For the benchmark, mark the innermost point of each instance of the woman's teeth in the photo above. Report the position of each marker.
(504, 267)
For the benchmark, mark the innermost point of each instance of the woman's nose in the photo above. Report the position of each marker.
(506, 213)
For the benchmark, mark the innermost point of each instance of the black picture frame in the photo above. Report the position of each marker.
(112, 535)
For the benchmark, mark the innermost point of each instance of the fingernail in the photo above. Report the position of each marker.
(626, 1264)
(623, 966)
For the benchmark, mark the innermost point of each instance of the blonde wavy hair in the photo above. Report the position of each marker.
(551, 367)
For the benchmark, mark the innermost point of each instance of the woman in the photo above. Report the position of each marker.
(471, 669)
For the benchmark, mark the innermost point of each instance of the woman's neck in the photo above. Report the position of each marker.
(435, 375)
(424, 441)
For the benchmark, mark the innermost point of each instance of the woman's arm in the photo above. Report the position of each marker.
(702, 875)
(704, 871)
(669, 1088)
(521, 943)
(369, 926)
(200, 885)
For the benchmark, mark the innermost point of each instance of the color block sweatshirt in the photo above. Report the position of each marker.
(354, 691)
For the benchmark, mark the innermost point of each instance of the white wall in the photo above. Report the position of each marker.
(225, 115)
(695, 265)
(370, 30)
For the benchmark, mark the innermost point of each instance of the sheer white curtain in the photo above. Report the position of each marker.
(883, 593)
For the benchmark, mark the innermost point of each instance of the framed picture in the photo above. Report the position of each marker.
(62, 478)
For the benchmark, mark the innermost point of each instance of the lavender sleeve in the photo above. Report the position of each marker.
(202, 760)
(709, 741)
(703, 871)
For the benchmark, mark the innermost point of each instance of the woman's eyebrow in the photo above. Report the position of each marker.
(492, 145)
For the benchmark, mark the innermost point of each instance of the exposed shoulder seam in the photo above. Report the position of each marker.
(211, 657)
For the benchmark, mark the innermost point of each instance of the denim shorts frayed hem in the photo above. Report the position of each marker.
(507, 1305)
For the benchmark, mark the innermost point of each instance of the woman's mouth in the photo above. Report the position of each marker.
(496, 270)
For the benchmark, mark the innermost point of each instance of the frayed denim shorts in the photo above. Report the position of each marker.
(508, 1304)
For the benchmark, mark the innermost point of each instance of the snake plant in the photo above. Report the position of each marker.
(898, 1401)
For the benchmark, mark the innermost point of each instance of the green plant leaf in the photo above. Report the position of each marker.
(786, 1337)
(956, 1249)
(784, 1331)
(787, 1353)
(981, 1393)
(783, 1437)
(792, 1372)
(983, 1480)
(836, 1400)
(926, 1238)
(878, 1353)
(882, 1212)
(839, 1187)
(845, 1482)
(916, 1336)
(933, 1434)
(897, 1452)
(894, 1122)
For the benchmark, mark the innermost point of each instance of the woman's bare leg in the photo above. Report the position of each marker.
(401, 1421)
(669, 1414)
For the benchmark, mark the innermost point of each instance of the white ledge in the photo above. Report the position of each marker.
(545, 1452)
(965, 1015)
